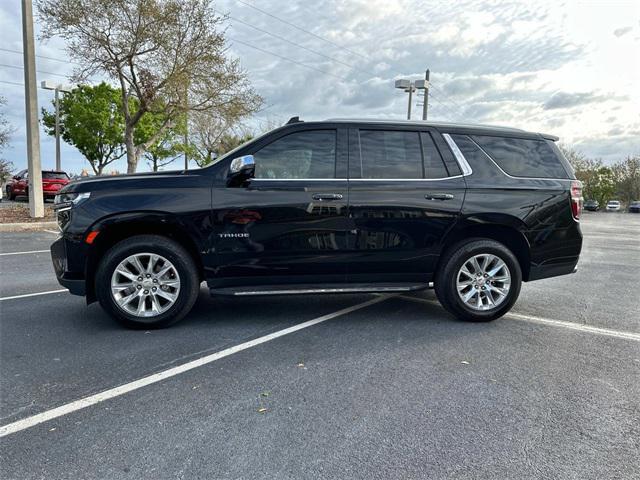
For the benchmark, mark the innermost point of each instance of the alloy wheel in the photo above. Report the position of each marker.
(145, 285)
(483, 282)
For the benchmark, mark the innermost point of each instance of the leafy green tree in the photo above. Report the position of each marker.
(603, 185)
(627, 178)
(167, 147)
(91, 120)
(168, 54)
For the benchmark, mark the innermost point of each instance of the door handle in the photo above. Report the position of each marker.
(327, 196)
(438, 196)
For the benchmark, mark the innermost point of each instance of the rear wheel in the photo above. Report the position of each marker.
(479, 280)
(147, 281)
(10, 194)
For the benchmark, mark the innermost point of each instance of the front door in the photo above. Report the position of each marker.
(402, 201)
(288, 225)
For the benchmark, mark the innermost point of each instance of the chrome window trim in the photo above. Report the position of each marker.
(512, 176)
(356, 179)
(300, 179)
(462, 162)
(403, 179)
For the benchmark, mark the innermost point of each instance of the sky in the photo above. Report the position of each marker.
(568, 68)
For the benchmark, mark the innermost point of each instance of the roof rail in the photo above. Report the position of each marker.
(295, 119)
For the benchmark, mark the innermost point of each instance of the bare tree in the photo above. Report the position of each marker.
(5, 133)
(207, 135)
(168, 56)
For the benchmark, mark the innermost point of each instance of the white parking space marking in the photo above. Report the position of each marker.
(52, 231)
(27, 295)
(554, 323)
(23, 253)
(172, 372)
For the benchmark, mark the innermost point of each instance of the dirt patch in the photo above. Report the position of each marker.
(16, 213)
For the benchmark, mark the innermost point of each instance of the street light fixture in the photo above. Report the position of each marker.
(47, 85)
(409, 87)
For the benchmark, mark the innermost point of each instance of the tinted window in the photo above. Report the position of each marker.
(55, 175)
(310, 154)
(389, 154)
(523, 158)
(433, 165)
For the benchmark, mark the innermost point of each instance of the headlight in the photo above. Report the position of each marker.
(69, 199)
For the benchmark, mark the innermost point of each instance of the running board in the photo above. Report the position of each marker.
(313, 289)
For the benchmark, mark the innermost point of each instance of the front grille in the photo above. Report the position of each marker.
(63, 217)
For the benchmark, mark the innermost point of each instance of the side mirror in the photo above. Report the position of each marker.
(241, 170)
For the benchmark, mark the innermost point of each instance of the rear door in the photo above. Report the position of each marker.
(288, 225)
(403, 198)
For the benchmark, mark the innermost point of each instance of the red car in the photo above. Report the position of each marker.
(52, 182)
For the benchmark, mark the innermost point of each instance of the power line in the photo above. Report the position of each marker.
(287, 59)
(12, 83)
(39, 56)
(300, 28)
(333, 59)
(39, 71)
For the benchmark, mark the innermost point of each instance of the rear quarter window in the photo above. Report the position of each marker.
(521, 157)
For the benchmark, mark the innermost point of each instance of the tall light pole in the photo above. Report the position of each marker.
(408, 87)
(36, 201)
(47, 85)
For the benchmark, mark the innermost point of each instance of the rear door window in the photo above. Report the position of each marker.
(521, 157)
(390, 154)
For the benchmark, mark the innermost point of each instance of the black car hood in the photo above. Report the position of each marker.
(88, 184)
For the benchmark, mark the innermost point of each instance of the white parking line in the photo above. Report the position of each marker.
(23, 253)
(554, 323)
(52, 231)
(27, 295)
(172, 372)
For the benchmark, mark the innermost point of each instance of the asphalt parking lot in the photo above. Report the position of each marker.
(362, 386)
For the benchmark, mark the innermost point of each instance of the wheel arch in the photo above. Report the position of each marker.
(505, 229)
(120, 227)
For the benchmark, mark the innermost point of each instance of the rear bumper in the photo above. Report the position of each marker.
(555, 269)
(73, 281)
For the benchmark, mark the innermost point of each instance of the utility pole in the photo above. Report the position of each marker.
(36, 203)
(426, 95)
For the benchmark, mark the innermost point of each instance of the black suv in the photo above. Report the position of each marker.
(327, 207)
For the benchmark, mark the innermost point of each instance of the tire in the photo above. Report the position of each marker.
(10, 195)
(450, 273)
(161, 311)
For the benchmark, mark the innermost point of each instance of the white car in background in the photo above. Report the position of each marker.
(613, 206)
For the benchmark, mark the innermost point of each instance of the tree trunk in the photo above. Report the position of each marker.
(132, 153)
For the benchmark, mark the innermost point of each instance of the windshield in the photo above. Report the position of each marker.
(230, 153)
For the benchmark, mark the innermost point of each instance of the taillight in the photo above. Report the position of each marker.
(576, 198)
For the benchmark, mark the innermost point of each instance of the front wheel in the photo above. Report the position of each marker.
(479, 280)
(147, 281)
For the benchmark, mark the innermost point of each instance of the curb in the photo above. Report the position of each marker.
(27, 226)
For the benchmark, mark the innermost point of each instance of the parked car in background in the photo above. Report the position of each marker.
(634, 207)
(592, 205)
(340, 206)
(52, 182)
(613, 206)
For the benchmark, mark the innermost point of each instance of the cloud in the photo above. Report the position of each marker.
(524, 64)
(568, 100)
(619, 32)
